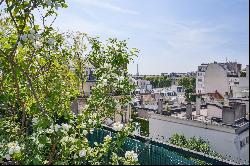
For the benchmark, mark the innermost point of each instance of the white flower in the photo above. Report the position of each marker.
(11, 150)
(117, 126)
(131, 155)
(49, 131)
(24, 37)
(7, 156)
(94, 122)
(82, 153)
(105, 81)
(94, 115)
(51, 127)
(86, 106)
(17, 149)
(107, 65)
(38, 45)
(51, 41)
(19, 44)
(66, 127)
(40, 145)
(65, 139)
(75, 156)
(31, 36)
(57, 127)
(120, 78)
(32, 31)
(85, 132)
(90, 121)
(34, 120)
(37, 36)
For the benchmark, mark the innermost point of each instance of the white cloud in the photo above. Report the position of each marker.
(105, 5)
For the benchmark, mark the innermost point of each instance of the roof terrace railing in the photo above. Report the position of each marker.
(151, 152)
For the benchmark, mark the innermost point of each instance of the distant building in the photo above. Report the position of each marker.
(224, 127)
(200, 78)
(220, 77)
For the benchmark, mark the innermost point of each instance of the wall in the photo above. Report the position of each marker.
(213, 111)
(216, 79)
(222, 140)
(87, 87)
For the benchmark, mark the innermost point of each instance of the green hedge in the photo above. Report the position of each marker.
(144, 131)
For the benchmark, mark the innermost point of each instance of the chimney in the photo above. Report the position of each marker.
(160, 106)
(189, 110)
(198, 105)
(234, 112)
(142, 102)
(227, 115)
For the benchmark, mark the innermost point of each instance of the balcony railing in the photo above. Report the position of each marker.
(156, 153)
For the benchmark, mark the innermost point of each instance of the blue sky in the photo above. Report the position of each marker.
(172, 35)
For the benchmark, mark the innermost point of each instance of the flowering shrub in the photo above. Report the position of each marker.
(40, 74)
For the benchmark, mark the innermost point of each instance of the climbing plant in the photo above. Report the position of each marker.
(40, 73)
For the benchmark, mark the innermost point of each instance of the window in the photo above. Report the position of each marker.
(242, 144)
(199, 80)
(236, 83)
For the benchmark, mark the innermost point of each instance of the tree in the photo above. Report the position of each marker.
(188, 84)
(159, 82)
(40, 73)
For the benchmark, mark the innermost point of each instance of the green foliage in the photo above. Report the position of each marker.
(243, 74)
(159, 82)
(40, 73)
(188, 84)
(144, 124)
(193, 143)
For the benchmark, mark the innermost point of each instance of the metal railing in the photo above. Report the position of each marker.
(152, 152)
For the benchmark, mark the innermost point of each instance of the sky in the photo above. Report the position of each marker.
(172, 35)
